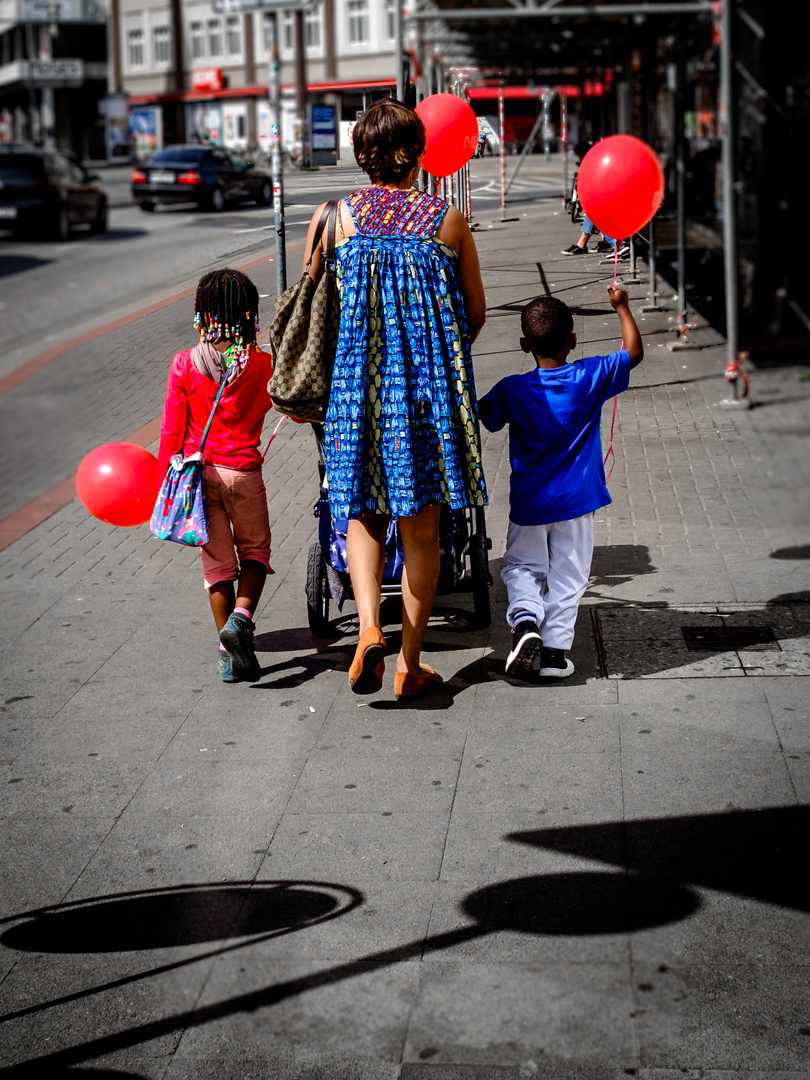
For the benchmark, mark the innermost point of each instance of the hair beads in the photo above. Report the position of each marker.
(226, 308)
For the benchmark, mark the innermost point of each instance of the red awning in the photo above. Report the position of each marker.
(255, 91)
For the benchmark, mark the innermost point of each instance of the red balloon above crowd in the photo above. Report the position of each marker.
(451, 128)
(620, 184)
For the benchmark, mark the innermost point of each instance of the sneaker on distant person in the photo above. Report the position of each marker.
(237, 637)
(603, 246)
(526, 645)
(575, 249)
(554, 664)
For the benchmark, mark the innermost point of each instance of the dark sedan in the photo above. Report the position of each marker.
(46, 191)
(206, 175)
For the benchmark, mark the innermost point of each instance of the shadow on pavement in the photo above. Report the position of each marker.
(17, 264)
(753, 853)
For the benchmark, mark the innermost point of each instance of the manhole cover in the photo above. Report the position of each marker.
(729, 638)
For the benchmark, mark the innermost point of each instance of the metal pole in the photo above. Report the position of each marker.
(652, 289)
(502, 124)
(564, 141)
(275, 149)
(727, 164)
(301, 86)
(400, 67)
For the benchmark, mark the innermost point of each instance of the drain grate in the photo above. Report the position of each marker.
(730, 638)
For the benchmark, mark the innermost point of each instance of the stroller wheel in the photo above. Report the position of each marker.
(318, 595)
(479, 570)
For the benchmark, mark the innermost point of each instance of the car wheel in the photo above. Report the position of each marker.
(216, 200)
(61, 227)
(147, 207)
(266, 193)
(99, 223)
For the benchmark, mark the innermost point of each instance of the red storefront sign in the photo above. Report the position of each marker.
(209, 78)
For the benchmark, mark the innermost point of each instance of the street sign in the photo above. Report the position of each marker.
(230, 7)
(50, 72)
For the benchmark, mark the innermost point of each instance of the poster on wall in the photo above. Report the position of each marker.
(204, 123)
(146, 129)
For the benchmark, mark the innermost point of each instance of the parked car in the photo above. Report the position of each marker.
(207, 175)
(48, 191)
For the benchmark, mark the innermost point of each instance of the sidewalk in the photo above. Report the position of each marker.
(587, 881)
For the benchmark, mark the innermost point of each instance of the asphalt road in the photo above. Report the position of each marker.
(52, 291)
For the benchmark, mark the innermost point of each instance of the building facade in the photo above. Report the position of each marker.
(53, 73)
(211, 83)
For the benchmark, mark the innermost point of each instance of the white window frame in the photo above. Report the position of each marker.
(313, 30)
(358, 19)
(131, 29)
(390, 19)
(213, 27)
(196, 39)
(234, 35)
(286, 33)
(163, 30)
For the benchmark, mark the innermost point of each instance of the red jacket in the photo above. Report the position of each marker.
(236, 430)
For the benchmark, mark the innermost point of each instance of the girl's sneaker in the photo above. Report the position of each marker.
(237, 637)
(225, 669)
(554, 664)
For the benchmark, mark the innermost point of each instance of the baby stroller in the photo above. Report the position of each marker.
(464, 547)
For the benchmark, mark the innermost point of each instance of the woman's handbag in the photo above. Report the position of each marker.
(304, 335)
(179, 513)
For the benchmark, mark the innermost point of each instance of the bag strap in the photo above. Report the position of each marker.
(322, 220)
(327, 218)
(213, 410)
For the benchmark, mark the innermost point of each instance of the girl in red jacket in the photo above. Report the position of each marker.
(238, 549)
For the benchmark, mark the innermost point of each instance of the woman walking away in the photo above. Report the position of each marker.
(238, 549)
(401, 431)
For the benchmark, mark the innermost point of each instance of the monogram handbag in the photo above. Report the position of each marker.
(179, 513)
(304, 335)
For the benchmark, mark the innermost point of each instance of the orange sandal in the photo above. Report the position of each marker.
(368, 667)
(407, 685)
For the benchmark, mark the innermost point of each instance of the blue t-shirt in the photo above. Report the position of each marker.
(554, 443)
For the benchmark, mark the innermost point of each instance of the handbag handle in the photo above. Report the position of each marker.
(328, 215)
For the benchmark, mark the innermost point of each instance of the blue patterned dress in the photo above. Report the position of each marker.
(402, 426)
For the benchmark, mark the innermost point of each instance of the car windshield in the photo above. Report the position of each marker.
(20, 168)
(183, 155)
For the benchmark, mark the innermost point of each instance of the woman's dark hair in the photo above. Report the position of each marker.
(226, 307)
(388, 140)
(546, 323)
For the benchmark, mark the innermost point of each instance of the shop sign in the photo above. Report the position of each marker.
(45, 72)
(323, 127)
(209, 78)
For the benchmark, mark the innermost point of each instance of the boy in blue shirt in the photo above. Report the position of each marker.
(558, 478)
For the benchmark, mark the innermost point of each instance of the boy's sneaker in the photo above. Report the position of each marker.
(525, 647)
(237, 637)
(225, 669)
(554, 664)
(575, 249)
(603, 247)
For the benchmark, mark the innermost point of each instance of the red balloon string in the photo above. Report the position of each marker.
(616, 246)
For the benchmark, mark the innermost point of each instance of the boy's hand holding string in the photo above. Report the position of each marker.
(631, 338)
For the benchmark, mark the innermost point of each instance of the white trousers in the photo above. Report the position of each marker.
(546, 570)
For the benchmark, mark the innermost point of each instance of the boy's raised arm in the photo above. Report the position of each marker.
(631, 337)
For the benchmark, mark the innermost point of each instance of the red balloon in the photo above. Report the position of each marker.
(451, 128)
(620, 184)
(118, 483)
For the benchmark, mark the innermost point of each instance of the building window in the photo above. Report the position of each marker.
(214, 37)
(358, 22)
(162, 44)
(268, 22)
(312, 28)
(287, 33)
(197, 41)
(135, 48)
(390, 19)
(233, 35)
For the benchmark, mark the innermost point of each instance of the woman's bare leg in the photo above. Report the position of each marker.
(365, 552)
(420, 576)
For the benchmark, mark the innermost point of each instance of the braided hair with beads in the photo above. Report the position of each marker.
(226, 308)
